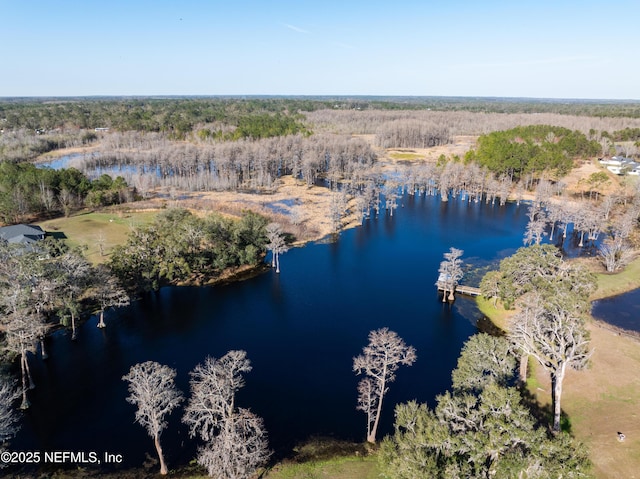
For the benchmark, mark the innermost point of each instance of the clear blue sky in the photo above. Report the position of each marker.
(540, 49)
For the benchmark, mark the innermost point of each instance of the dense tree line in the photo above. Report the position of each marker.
(177, 117)
(412, 134)
(149, 161)
(179, 246)
(368, 122)
(628, 134)
(27, 191)
(22, 144)
(532, 149)
(178, 114)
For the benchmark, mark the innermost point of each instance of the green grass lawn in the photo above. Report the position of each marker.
(397, 155)
(90, 229)
(618, 283)
(348, 467)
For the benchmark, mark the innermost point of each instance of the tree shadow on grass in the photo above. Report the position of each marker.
(543, 413)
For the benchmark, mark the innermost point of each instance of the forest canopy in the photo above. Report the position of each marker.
(532, 149)
(179, 246)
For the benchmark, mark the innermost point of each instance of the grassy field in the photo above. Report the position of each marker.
(405, 155)
(613, 284)
(338, 468)
(604, 400)
(90, 229)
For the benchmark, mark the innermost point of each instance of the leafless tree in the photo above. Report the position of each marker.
(382, 357)
(236, 441)
(237, 452)
(337, 210)
(519, 192)
(544, 193)
(152, 390)
(535, 230)
(277, 244)
(391, 196)
(623, 225)
(552, 332)
(108, 293)
(23, 331)
(8, 416)
(74, 274)
(450, 273)
(615, 254)
(554, 214)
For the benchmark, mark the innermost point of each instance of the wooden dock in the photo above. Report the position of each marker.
(462, 289)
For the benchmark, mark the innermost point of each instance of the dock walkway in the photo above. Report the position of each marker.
(462, 289)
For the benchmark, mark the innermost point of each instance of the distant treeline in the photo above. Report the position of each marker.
(181, 115)
(176, 117)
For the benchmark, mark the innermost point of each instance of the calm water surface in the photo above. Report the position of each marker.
(622, 311)
(300, 329)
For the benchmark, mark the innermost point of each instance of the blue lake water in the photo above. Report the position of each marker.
(301, 330)
(622, 311)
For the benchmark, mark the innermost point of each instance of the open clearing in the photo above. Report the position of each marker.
(90, 229)
(602, 401)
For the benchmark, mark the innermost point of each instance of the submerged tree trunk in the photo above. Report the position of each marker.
(25, 401)
(74, 334)
(32, 385)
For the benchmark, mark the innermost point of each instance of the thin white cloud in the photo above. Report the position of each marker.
(295, 29)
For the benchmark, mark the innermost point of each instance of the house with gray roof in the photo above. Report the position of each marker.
(22, 234)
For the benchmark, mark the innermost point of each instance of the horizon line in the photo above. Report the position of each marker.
(318, 97)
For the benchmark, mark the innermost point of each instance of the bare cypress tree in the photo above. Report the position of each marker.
(23, 330)
(8, 416)
(615, 254)
(108, 293)
(153, 390)
(236, 441)
(382, 357)
(277, 244)
(535, 231)
(450, 273)
(550, 330)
